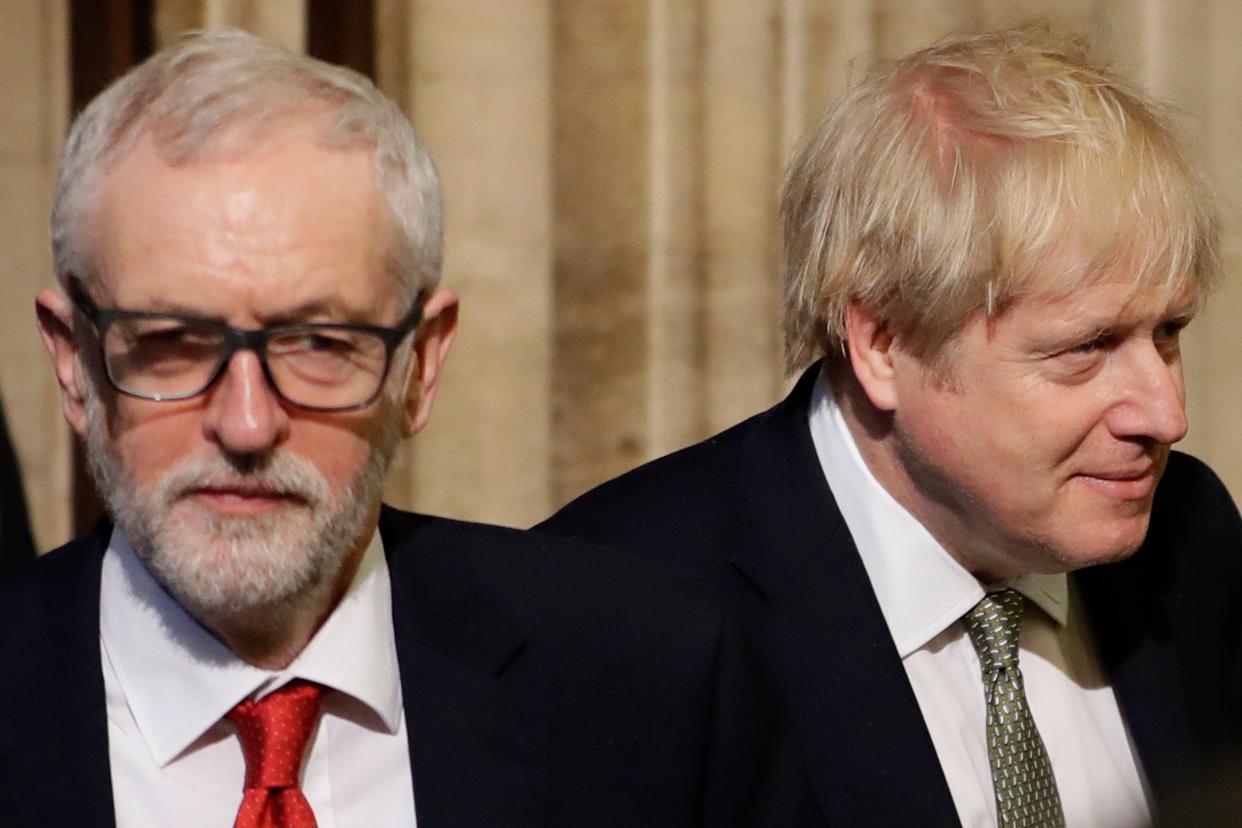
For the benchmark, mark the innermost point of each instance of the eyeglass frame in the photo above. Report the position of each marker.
(238, 339)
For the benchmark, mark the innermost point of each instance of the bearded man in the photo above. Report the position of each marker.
(248, 244)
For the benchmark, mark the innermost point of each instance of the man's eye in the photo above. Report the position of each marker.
(317, 350)
(314, 343)
(1089, 346)
(1081, 360)
(172, 335)
(1168, 337)
(1171, 331)
(321, 342)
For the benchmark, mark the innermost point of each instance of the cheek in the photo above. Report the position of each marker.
(151, 442)
(337, 452)
(961, 434)
(995, 447)
(1068, 426)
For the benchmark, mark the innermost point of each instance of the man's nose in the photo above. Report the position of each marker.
(1153, 397)
(244, 414)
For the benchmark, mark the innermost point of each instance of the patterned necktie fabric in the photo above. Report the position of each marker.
(1022, 778)
(273, 734)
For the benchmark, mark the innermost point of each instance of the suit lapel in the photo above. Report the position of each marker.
(477, 746)
(55, 749)
(1137, 645)
(867, 748)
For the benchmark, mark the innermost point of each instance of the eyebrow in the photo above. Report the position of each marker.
(1184, 309)
(331, 310)
(1064, 330)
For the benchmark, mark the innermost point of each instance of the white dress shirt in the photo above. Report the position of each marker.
(923, 593)
(169, 683)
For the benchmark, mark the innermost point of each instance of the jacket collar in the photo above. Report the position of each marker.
(863, 733)
(56, 738)
(1137, 639)
(477, 746)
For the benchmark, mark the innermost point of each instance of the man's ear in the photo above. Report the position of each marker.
(54, 313)
(431, 347)
(871, 347)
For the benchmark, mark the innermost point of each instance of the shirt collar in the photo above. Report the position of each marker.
(179, 680)
(921, 589)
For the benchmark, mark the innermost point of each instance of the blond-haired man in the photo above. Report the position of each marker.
(987, 588)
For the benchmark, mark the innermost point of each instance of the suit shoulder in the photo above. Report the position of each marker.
(1187, 470)
(690, 509)
(49, 637)
(667, 499)
(1192, 499)
(708, 461)
(581, 614)
(704, 479)
(1195, 533)
(39, 591)
(526, 564)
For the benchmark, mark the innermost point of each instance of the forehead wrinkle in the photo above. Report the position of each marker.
(1128, 307)
(226, 229)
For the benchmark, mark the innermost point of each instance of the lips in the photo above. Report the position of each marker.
(1124, 483)
(243, 491)
(243, 499)
(1132, 473)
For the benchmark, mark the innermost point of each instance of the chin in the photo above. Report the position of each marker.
(1102, 547)
(216, 567)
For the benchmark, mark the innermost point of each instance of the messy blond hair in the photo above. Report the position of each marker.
(952, 181)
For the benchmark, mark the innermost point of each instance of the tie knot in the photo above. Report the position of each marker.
(273, 733)
(993, 625)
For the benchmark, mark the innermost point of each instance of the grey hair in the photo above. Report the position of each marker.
(209, 83)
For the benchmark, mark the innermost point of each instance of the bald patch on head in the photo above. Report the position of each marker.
(945, 99)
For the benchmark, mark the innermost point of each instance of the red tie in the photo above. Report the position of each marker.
(273, 735)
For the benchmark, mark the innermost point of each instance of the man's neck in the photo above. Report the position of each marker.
(874, 432)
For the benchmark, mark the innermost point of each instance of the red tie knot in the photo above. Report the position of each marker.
(274, 733)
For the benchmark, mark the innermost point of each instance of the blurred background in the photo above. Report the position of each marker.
(611, 170)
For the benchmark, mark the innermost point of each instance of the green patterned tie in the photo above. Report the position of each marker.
(1026, 790)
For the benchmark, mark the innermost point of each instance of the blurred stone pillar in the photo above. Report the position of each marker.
(478, 88)
(282, 22)
(742, 150)
(34, 64)
(1194, 60)
(603, 181)
(668, 151)
(675, 269)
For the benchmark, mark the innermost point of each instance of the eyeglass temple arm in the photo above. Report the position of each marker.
(78, 295)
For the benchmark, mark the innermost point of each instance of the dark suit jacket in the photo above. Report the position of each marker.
(16, 545)
(545, 684)
(749, 513)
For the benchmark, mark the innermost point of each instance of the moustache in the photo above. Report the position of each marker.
(282, 475)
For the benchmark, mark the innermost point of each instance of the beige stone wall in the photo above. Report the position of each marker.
(281, 21)
(477, 84)
(611, 169)
(33, 106)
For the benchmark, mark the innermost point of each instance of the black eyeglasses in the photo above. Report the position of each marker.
(316, 366)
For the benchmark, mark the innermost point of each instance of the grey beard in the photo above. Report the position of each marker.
(262, 566)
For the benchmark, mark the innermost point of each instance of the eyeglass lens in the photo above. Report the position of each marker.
(323, 367)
